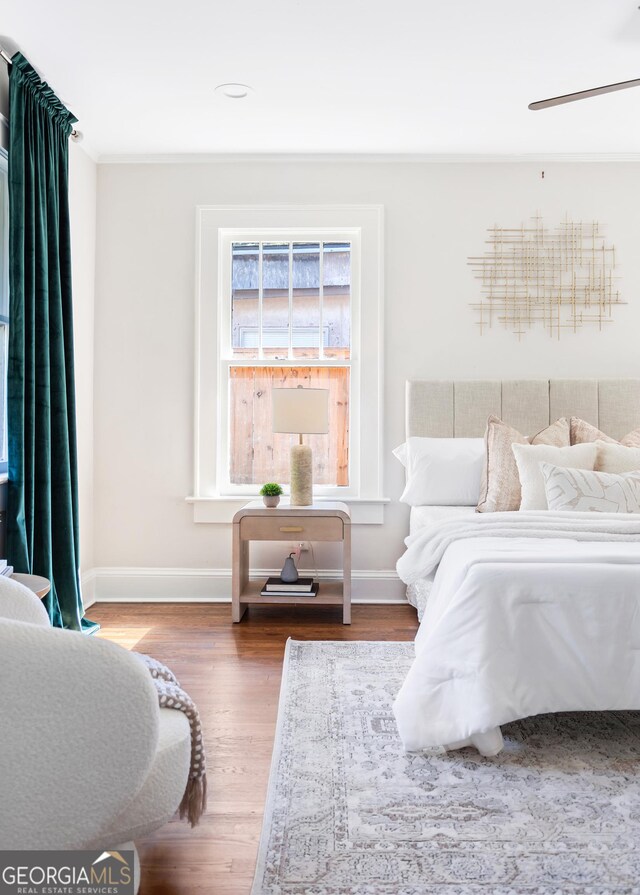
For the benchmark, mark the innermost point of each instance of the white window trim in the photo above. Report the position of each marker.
(215, 226)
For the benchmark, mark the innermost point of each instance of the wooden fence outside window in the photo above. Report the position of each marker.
(257, 454)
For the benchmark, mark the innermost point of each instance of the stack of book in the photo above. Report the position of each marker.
(303, 587)
(5, 569)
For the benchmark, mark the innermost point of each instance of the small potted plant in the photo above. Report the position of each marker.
(271, 494)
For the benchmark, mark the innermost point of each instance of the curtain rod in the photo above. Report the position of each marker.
(76, 135)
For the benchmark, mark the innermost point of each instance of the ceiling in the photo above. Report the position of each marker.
(345, 76)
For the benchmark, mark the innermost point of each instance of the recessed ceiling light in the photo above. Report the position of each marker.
(234, 91)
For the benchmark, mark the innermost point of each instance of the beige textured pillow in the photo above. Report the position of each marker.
(613, 457)
(582, 431)
(500, 487)
(584, 491)
(530, 457)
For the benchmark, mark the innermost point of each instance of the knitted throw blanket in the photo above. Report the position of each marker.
(171, 696)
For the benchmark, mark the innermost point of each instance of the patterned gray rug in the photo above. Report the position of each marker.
(349, 813)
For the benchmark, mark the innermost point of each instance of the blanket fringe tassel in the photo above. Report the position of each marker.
(194, 800)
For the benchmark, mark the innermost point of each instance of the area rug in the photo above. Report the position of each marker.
(349, 813)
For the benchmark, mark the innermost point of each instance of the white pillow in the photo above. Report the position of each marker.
(617, 457)
(400, 453)
(530, 456)
(442, 471)
(584, 491)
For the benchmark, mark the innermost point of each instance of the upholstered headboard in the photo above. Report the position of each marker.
(460, 409)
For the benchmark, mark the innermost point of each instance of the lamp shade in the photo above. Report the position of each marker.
(301, 411)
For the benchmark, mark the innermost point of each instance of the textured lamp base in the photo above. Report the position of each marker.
(301, 476)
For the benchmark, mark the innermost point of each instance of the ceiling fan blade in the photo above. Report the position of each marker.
(582, 94)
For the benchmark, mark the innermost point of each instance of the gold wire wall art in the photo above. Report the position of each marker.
(561, 278)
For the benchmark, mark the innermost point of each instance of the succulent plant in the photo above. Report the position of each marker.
(271, 489)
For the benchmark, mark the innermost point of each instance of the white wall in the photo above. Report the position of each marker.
(436, 215)
(82, 207)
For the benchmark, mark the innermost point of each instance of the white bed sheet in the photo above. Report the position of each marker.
(422, 517)
(516, 627)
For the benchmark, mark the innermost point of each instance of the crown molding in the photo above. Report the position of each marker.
(368, 158)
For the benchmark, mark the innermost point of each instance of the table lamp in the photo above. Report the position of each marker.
(301, 411)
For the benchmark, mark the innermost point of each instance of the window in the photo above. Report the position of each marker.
(4, 307)
(290, 302)
(280, 302)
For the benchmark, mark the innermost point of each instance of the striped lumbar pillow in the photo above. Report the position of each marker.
(584, 490)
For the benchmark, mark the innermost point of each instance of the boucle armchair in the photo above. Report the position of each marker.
(87, 758)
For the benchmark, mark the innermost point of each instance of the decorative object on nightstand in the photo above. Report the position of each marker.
(289, 573)
(271, 494)
(303, 587)
(301, 411)
(291, 594)
(328, 521)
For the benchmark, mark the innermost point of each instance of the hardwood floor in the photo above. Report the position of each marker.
(233, 673)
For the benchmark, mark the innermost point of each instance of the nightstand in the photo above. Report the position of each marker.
(328, 521)
(39, 585)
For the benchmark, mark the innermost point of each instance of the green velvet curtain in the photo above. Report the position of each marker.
(42, 509)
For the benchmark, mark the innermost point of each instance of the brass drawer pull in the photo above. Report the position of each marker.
(291, 528)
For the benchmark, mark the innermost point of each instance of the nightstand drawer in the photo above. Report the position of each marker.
(291, 528)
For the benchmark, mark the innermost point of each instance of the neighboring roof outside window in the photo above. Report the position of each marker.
(306, 270)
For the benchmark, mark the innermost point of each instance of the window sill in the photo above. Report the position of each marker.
(221, 510)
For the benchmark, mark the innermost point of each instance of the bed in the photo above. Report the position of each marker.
(522, 612)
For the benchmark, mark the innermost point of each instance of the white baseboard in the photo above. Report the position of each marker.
(165, 585)
(88, 584)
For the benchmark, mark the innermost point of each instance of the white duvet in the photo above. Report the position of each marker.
(529, 613)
